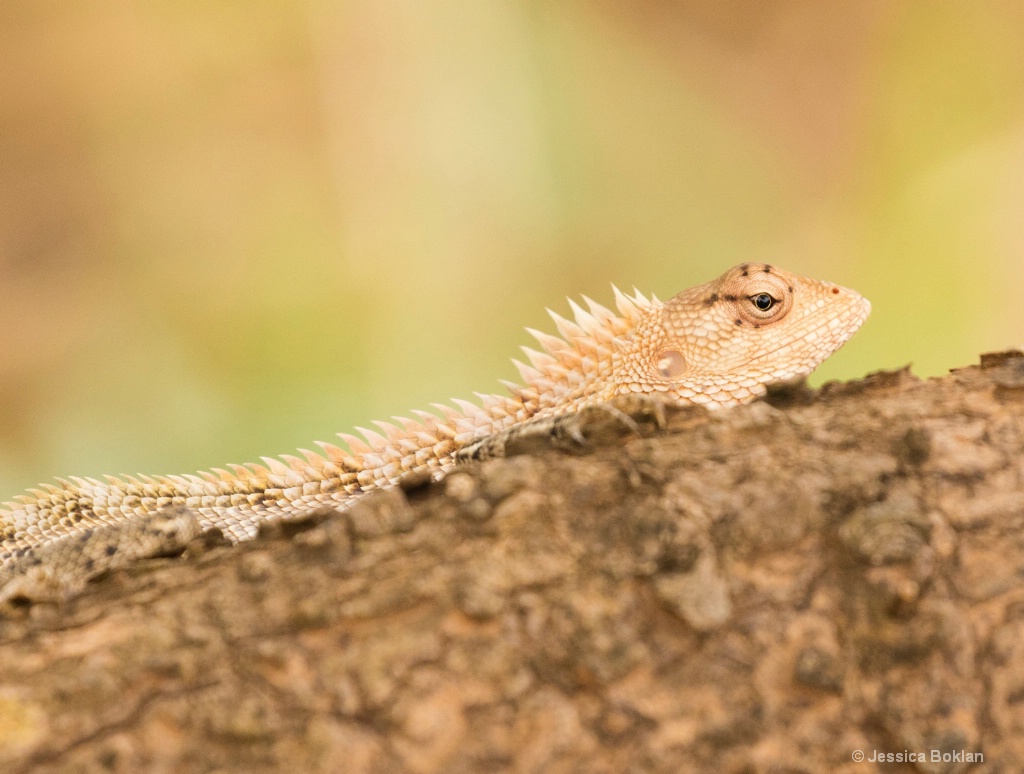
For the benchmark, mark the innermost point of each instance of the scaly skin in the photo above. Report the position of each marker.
(718, 344)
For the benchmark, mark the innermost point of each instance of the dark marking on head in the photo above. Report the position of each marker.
(110, 550)
(84, 536)
(745, 272)
(89, 564)
(767, 269)
(790, 288)
(739, 321)
(730, 297)
(756, 325)
(711, 300)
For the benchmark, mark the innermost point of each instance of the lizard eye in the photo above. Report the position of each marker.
(761, 299)
(671, 364)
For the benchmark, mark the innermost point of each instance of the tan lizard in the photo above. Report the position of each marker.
(718, 344)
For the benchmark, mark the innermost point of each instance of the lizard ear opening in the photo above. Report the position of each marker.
(670, 364)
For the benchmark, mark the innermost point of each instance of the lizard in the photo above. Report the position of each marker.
(715, 345)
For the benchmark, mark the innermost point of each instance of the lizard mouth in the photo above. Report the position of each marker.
(853, 314)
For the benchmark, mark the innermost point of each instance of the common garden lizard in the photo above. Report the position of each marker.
(719, 344)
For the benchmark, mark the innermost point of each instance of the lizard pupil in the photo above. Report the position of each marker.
(763, 301)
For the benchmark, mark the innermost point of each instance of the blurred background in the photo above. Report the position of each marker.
(229, 228)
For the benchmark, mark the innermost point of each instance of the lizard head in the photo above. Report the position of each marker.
(724, 342)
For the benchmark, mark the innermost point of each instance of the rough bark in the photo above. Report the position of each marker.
(763, 589)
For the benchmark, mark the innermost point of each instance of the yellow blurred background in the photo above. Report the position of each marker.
(228, 228)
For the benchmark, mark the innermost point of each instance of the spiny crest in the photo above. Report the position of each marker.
(557, 367)
(632, 308)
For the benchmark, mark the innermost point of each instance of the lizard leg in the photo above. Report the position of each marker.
(629, 414)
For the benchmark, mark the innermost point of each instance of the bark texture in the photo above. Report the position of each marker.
(764, 589)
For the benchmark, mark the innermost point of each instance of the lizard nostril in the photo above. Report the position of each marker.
(835, 291)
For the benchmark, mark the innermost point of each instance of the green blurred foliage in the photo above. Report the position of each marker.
(227, 228)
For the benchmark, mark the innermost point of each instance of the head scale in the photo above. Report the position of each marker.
(722, 343)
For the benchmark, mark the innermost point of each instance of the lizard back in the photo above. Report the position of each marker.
(717, 344)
